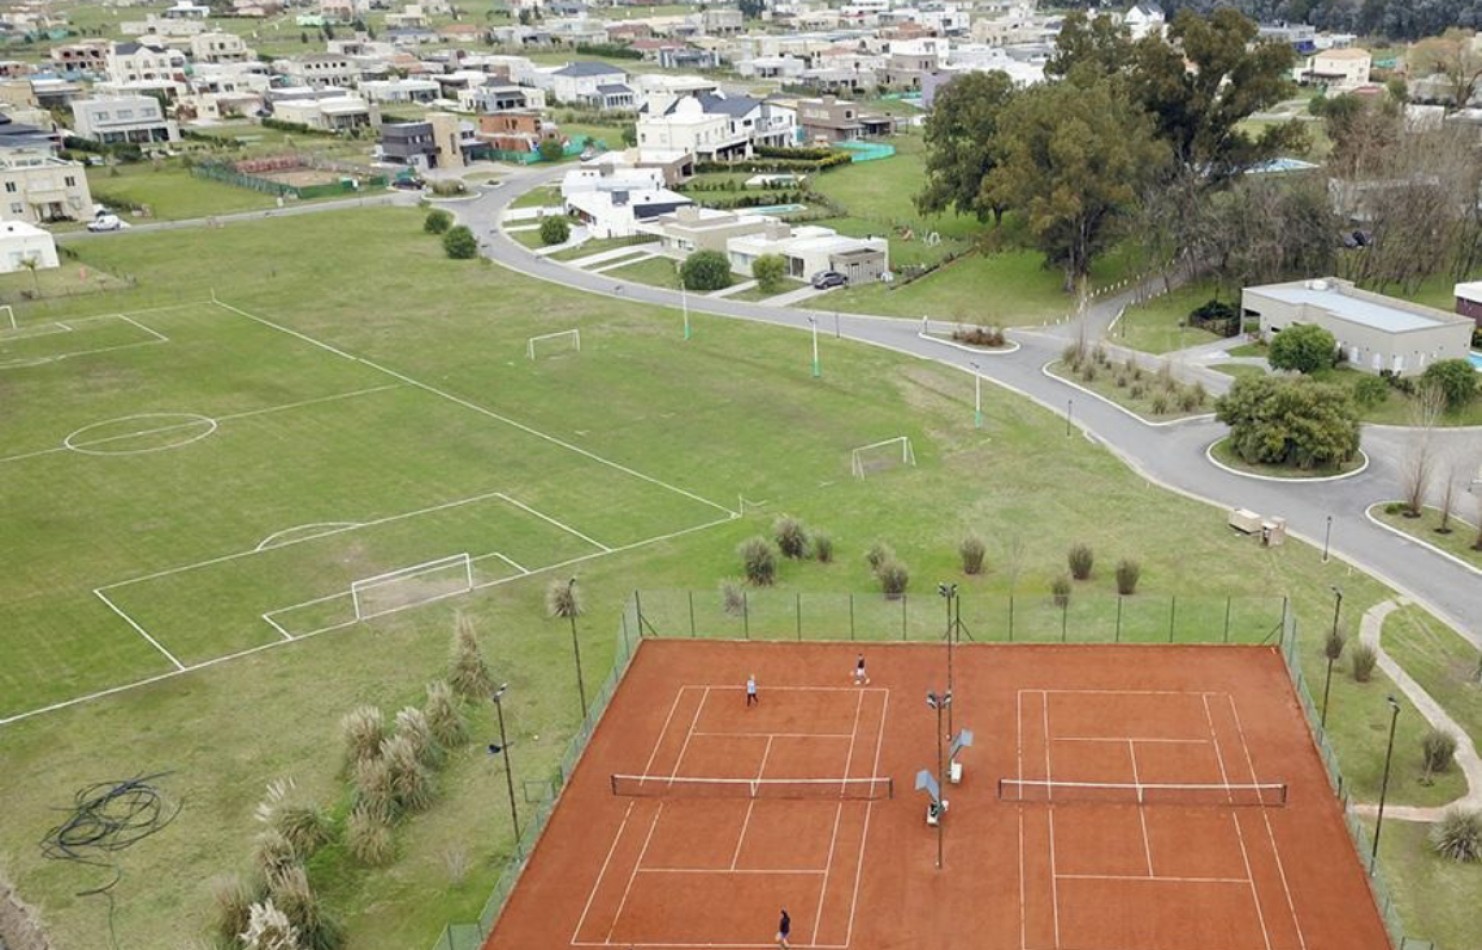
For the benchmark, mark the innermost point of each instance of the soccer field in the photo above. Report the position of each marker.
(196, 482)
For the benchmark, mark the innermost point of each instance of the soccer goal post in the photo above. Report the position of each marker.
(410, 586)
(546, 342)
(7, 317)
(879, 455)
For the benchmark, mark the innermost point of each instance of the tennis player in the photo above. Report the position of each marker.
(784, 929)
(860, 677)
(751, 699)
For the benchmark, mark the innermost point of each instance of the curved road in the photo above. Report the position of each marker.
(1170, 455)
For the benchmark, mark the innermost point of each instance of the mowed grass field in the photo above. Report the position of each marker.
(363, 377)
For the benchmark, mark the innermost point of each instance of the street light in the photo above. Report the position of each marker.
(1069, 410)
(1330, 651)
(1327, 536)
(1394, 717)
(817, 368)
(509, 765)
(977, 397)
(940, 702)
(949, 594)
(684, 298)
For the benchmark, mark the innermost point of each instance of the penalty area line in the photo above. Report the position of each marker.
(179, 667)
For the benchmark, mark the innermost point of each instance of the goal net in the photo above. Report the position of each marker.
(798, 789)
(878, 456)
(1271, 794)
(7, 317)
(409, 586)
(548, 343)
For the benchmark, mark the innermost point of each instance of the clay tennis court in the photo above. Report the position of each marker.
(1116, 798)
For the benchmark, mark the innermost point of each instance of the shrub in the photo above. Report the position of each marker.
(272, 853)
(770, 270)
(1201, 395)
(562, 599)
(1305, 348)
(972, 550)
(1072, 355)
(448, 189)
(1456, 379)
(551, 150)
(368, 837)
(460, 244)
(1160, 403)
(232, 902)
(979, 336)
(1060, 590)
(823, 547)
(412, 725)
(1188, 401)
(371, 783)
(302, 824)
(1363, 659)
(1458, 835)
(1438, 748)
(1333, 643)
(468, 674)
(791, 536)
(1370, 391)
(758, 561)
(292, 894)
(437, 221)
(362, 728)
(893, 578)
(1088, 372)
(410, 780)
(1137, 391)
(444, 716)
(1294, 422)
(268, 927)
(1080, 559)
(555, 229)
(705, 271)
(1128, 573)
(1121, 381)
(878, 554)
(732, 598)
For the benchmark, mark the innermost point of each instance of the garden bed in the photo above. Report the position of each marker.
(1426, 529)
(1222, 453)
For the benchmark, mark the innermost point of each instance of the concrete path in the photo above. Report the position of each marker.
(611, 254)
(623, 261)
(801, 295)
(1370, 631)
(735, 288)
(532, 214)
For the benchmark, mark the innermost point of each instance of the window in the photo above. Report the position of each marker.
(125, 114)
(71, 181)
(17, 208)
(101, 116)
(10, 187)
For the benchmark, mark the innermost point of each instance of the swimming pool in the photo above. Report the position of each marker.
(773, 209)
(1476, 359)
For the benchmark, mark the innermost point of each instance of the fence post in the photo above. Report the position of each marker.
(1011, 617)
(638, 606)
(692, 614)
(745, 616)
(1172, 612)
(1227, 618)
(798, 611)
(623, 620)
(903, 616)
(1118, 637)
(1064, 617)
(851, 616)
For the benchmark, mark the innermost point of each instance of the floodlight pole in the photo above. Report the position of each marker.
(939, 703)
(1069, 411)
(1328, 682)
(509, 765)
(977, 397)
(1394, 718)
(684, 298)
(949, 594)
(1327, 536)
(817, 367)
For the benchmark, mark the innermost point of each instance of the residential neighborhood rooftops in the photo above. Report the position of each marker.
(589, 69)
(1345, 302)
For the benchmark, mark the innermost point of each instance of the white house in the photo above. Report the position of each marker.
(320, 70)
(1338, 69)
(400, 90)
(716, 126)
(145, 63)
(618, 212)
(21, 242)
(1145, 19)
(810, 249)
(581, 82)
(220, 48)
(139, 120)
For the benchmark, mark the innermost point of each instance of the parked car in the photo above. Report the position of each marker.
(825, 279)
(106, 222)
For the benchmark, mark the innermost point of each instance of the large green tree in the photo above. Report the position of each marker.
(1072, 159)
(960, 143)
(1296, 422)
(1305, 348)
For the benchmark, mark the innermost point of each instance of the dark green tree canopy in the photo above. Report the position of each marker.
(1296, 422)
(1457, 380)
(959, 143)
(1305, 348)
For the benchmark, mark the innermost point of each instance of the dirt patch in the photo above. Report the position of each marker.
(302, 177)
(20, 924)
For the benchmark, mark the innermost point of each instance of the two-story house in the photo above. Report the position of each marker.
(138, 120)
(829, 120)
(1340, 70)
(500, 97)
(146, 65)
(35, 185)
(601, 85)
(220, 47)
(87, 56)
(320, 70)
(715, 126)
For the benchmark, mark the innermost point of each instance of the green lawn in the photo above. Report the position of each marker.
(599, 245)
(170, 192)
(1250, 349)
(1436, 898)
(1006, 289)
(1398, 409)
(1158, 326)
(1238, 370)
(656, 271)
(529, 238)
(732, 412)
(1443, 663)
(1463, 524)
(546, 196)
(68, 279)
(1140, 390)
(756, 294)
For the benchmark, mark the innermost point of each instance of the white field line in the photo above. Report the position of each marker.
(42, 360)
(274, 624)
(552, 521)
(828, 865)
(22, 331)
(159, 337)
(510, 561)
(458, 400)
(268, 543)
(1142, 813)
(864, 836)
(179, 667)
(750, 805)
(1255, 895)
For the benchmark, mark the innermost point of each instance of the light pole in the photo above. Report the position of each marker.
(949, 594)
(1327, 536)
(509, 765)
(977, 397)
(684, 297)
(1394, 717)
(1069, 410)
(1329, 650)
(940, 702)
(581, 688)
(817, 368)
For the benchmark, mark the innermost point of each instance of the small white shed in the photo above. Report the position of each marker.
(20, 242)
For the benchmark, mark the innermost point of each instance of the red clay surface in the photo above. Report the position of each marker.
(704, 873)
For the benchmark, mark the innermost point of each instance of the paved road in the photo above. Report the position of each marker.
(1171, 455)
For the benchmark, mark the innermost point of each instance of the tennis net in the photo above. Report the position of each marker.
(1270, 794)
(804, 789)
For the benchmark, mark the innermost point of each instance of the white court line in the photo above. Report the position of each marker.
(663, 730)
(1270, 834)
(779, 735)
(1239, 832)
(627, 891)
(492, 414)
(1124, 692)
(597, 884)
(552, 521)
(1019, 775)
(1128, 739)
(808, 871)
(1050, 817)
(691, 945)
(838, 814)
(1139, 877)
(689, 733)
(179, 667)
(750, 805)
(864, 836)
(1142, 813)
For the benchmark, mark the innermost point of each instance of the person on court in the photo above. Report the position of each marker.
(860, 677)
(784, 929)
(751, 699)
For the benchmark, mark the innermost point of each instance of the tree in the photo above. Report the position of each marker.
(770, 270)
(706, 270)
(1305, 348)
(551, 150)
(460, 244)
(1073, 161)
(752, 9)
(555, 229)
(1453, 57)
(1418, 466)
(960, 143)
(1294, 422)
(437, 221)
(1455, 379)
(630, 134)
(1089, 48)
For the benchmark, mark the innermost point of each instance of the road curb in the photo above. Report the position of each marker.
(1209, 455)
